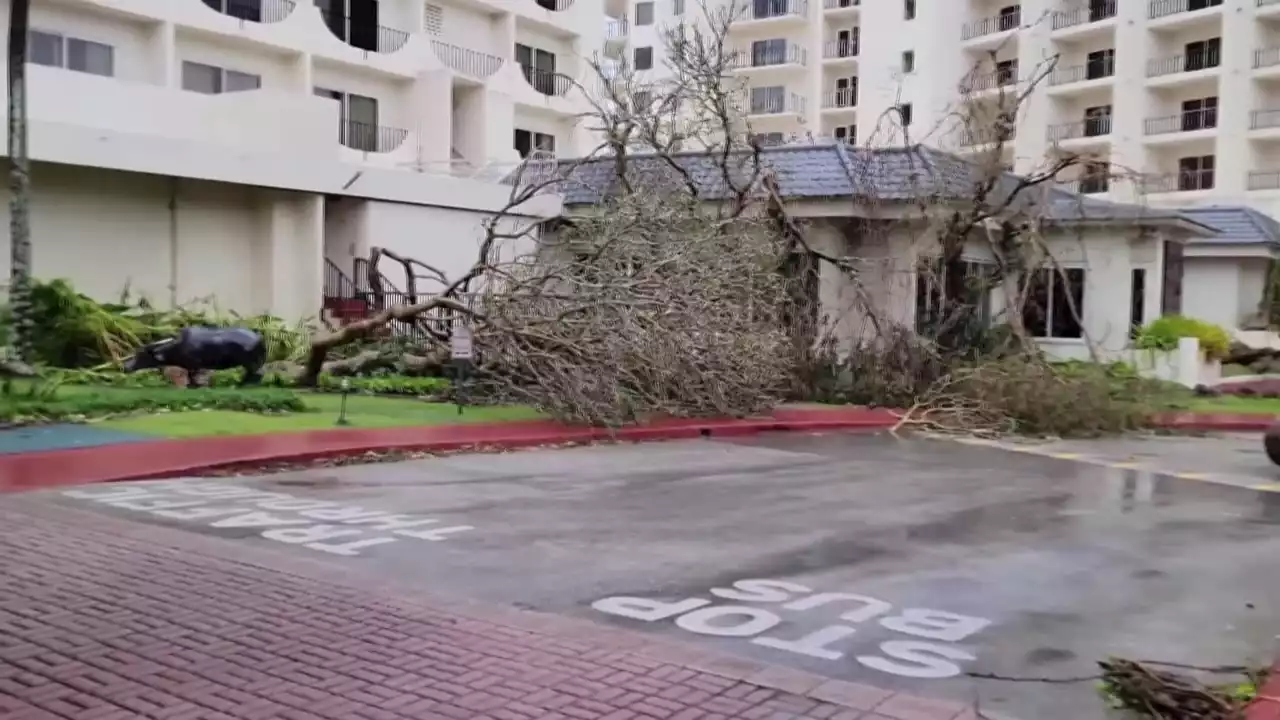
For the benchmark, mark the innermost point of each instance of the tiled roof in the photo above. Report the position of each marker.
(1236, 225)
(836, 170)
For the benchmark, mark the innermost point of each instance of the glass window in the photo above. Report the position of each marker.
(91, 57)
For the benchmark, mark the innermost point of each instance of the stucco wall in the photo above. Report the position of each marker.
(1211, 290)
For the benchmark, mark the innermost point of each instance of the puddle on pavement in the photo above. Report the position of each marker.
(1128, 490)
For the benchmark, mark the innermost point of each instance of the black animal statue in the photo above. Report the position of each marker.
(204, 348)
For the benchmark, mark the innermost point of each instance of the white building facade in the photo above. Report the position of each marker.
(234, 150)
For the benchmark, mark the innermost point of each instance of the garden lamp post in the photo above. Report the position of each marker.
(342, 406)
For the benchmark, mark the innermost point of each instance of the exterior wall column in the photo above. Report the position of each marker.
(288, 271)
(431, 101)
(164, 55)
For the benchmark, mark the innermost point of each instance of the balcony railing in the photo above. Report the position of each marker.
(1206, 119)
(969, 138)
(1000, 78)
(1096, 11)
(1184, 181)
(773, 9)
(771, 56)
(261, 11)
(554, 5)
(1259, 119)
(1263, 179)
(1173, 64)
(1266, 57)
(1089, 185)
(547, 82)
(991, 25)
(774, 104)
(1089, 127)
(1164, 8)
(845, 98)
(1080, 73)
(617, 29)
(465, 61)
(840, 4)
(372, 38)
(370, 138)
(834, 49)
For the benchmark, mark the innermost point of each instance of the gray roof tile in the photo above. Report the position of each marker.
(1236, 225)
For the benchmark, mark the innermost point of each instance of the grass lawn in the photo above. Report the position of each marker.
(363, 411)
(1234, 404)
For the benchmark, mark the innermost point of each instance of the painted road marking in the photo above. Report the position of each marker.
(929, 650)
(342, 530)
(1267, 487)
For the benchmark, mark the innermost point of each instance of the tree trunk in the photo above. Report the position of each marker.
(19, 184)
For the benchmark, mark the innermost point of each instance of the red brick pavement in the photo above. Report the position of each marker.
(101, 619)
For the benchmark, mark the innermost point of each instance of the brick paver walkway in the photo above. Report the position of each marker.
(104, 620)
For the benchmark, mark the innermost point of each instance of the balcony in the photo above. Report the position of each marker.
(1264, 120)
(371, 38)
(771, 57)
(1267, 60)
(775, 11)
(1185, 181)
(1157, 9)
(840, 100)
(1091, 185)
(259, 11)
(1095, 12)
(554, 5)
(617, 30)
(1082, 73)
(1174, 65)
(776, 103)
(1003, 77)
(551, 84)
(464, 61)
(370, 138)
(1094, 127)
(840, 8)
(1263, 179)
(993, 25)
(840, 50)
(1190, 121)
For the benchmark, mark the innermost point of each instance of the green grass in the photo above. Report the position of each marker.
(1234, 404)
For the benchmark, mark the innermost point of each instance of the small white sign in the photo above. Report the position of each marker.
(460, 343)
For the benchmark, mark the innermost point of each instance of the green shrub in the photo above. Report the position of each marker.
(379, 385)
(45, 403)
(1163, 334)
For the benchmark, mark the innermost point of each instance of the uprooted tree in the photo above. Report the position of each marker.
(676, 280)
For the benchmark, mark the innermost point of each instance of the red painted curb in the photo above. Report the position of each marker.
(1266, 705)
(1211, 422)
(168, 458)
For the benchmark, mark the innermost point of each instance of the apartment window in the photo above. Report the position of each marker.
(770, 8)
(1137, 300)
(847, 43)
(932, 277)
(213, 80)
(1095, 177)
(846, 92)
(357, 120)
(1006, 72)
(847, 134)
(1097, 120)
(242, 9)
(1100, 64)
(1196, 173)
(353, 21)
(768, 99)
(433, 20)
(908, 61)
(904, 114)
(768, 52)
(679, 7)
(1202, 4)
(1101, 9)
(1010, 17)
(69, 53)
(1202, 54)
(527, 141)
(1055, 299)
(644, 58)
(1201, 114)
(644, 13)
(539, 67)
(909, 9)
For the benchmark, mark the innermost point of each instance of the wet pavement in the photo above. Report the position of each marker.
(62, 437)
(897, 563)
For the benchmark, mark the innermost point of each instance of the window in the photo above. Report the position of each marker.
(1196, 173)
(71, 53)
(539, 68)
(770, 8)
(1095, 177)
(930, 278)
(1137, 300)
(644, 58)
(1010, 17)
(354, 22)
(768, 100)
(644, 13)
(847, 134)
(847, 43)
(1101, 9)
(1055, 300)
(1202, 4)
(1097, 120)
(1201, 114)
(846, 92)
(679, 7)
(212, 80)
(908, 61)
(909, 9)
(1006, 72)
(433, 21)
(904, 114)
(357, 120)
(527, 141)
(1100, 64)
(768, 52)
(1202, 54)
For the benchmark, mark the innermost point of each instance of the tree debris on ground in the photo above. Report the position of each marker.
(1163, 694)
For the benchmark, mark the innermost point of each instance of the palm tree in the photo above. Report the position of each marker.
(19, 186)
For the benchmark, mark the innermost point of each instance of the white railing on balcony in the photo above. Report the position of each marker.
(1089, 127)
(1184, 181)
(772, 103)
(993, 24)
(1080, 73)
(1263, 179)
(835, 49)
(1094, 12)
(1174, 64)
(1189, 121)
(845, 98)
(774, 9)
(1002, 77)
(769, 56)
(616, 28)
(1259, 119)
(840, 4)
(1266, 57)
(466, 61)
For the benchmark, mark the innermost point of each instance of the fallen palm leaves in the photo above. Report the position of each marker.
(1148, 692)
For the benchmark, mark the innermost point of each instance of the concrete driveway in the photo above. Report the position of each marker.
(899, 563)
